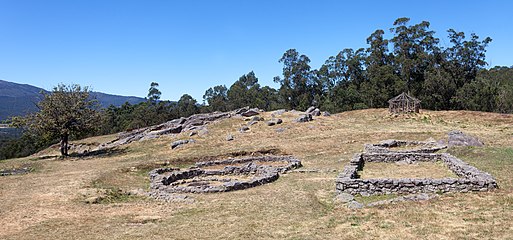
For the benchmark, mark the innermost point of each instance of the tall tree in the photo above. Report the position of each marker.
(187, 106)
(216, 98)
(66, 111)
(243, 91)
(297, 87)
(414, 49)
(154, 93)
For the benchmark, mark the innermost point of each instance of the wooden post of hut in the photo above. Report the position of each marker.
(404, 103)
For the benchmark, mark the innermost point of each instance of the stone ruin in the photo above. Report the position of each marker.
(15, 171)
(220, 176)
(469, 178)
(402, 146)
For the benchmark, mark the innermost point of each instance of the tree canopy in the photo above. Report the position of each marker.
(66, 111)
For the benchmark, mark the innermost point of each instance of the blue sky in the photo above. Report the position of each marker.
(121, 46)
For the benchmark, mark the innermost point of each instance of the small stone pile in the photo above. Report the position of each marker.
(308, 115)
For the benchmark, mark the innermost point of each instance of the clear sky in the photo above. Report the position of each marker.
(121, 46)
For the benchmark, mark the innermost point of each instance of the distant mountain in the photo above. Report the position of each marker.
(20, 99)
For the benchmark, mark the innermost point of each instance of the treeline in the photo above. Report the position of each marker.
(450, 77)
(412, 60)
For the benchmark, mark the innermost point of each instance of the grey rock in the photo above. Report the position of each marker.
(344, 197)
(316, 112)
(304, 118)
(458, 138)
(354, 205)
(310, 109)
(280, 130)
(251, 112)
(326, 114)
(273, 122)
(178, 143)
(257, 119)
(14, 171)
(229, 137)
(93, 200)
(244, 129)
(252, 123)
(203, 132)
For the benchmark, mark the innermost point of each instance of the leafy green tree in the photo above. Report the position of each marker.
(243, 92)
(66, 111)
(382, 83)
(216, 98)
(414, 47)
(154, 93)
(187, 106)
(297, 86)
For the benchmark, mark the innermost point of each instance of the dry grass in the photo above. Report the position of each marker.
(48, 203)
(415, 170)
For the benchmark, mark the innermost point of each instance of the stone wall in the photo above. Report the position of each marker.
(470, 178)
(197, 179)
(388, 146)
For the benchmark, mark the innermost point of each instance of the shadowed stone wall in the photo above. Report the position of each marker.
(470, 178)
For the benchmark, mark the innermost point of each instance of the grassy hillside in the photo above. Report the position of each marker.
(49, 203)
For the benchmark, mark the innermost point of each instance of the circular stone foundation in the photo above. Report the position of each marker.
(222, 175)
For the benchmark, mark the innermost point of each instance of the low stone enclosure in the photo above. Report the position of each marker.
(402, 146)
(221, 175)
(469, 178)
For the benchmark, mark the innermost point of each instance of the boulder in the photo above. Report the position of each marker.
(229, 137)
(178, 143)
(326, 114)
(344, 197)
(354, 205)
(316, 112)
(274, 121)
(243, 129)
(251, 112)
(310, 109)
(458, 138)
(257, 118)
(304, 118)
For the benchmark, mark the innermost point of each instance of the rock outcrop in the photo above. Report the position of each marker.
(458, 138)
(195, 123)
(179, 143)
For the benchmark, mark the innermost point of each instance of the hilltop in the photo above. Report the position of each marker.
(20, 99)
(50, 201)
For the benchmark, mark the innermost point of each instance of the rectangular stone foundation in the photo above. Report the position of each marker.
(469, 177)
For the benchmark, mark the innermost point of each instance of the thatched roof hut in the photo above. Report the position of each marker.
(404, 103)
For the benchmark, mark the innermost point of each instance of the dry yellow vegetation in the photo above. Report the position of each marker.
(49, 203)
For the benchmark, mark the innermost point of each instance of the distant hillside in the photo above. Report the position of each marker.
(20, 99)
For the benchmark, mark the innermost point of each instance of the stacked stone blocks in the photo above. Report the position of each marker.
(469, 178)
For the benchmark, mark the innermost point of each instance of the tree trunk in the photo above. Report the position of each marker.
(64, 145)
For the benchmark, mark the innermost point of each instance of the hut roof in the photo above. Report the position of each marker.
(404, 97)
